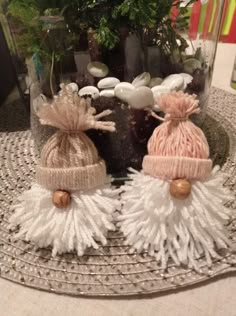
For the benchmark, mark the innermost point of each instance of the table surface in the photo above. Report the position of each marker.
(213, 299)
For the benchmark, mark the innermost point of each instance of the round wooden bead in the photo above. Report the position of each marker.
(180, 189)
(61, 199)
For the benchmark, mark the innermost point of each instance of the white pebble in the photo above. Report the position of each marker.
(158, 91)
(142, 80)
(155, 82)
(109, 82)
(191, 64)
(140, 98)
(123, 91)
(156, 108)
(108, 93)
(89, 90)
(73, 86)
(97, 69)
(187, 79)
(174, 82)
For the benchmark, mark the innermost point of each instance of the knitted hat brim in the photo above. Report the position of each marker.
(177, 167)
(76, 178)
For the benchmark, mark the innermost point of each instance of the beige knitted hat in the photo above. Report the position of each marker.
(69, 160)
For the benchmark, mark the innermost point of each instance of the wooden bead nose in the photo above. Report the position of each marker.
(61, 199)
(180, 189)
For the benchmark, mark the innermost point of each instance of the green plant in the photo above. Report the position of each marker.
(107, 17)
(34, 35)
(149, 19)
(24, 17)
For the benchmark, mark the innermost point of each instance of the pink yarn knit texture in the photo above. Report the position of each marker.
(178, 148)
(69, 160)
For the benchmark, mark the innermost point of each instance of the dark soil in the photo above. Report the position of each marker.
(127, 146)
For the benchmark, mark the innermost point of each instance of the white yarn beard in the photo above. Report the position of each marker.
(84, 223)
(167, 228)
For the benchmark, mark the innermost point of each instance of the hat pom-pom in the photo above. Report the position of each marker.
(71, 113)
(178, 105)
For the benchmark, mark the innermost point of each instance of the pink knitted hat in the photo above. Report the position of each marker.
(178, 149)
(69, 160)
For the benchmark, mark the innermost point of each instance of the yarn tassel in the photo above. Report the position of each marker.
(173, 230)
(82, 225)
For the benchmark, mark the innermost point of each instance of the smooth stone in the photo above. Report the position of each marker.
(155, 82)
(142, 80)
(187, 79)
(97, 69)
(123, 91)
(73, 86)
(158, 91)
(109, 82)
(190, 65)
(89, 90)
(108, 93)
(141, 98)
(174, 82)
(156, 108)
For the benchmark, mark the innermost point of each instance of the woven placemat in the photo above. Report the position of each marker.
(111, 270)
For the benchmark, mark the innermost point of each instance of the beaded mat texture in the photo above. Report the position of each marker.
(111, 270)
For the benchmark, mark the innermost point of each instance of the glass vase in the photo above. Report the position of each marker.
(120, 48)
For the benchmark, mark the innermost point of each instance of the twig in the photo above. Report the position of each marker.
(51, 74)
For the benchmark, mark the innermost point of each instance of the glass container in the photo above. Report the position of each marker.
(163, 45)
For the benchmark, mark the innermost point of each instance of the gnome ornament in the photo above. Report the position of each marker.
(174, 209)
(70, 207)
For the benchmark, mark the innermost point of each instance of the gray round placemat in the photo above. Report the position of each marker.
(111, 270)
